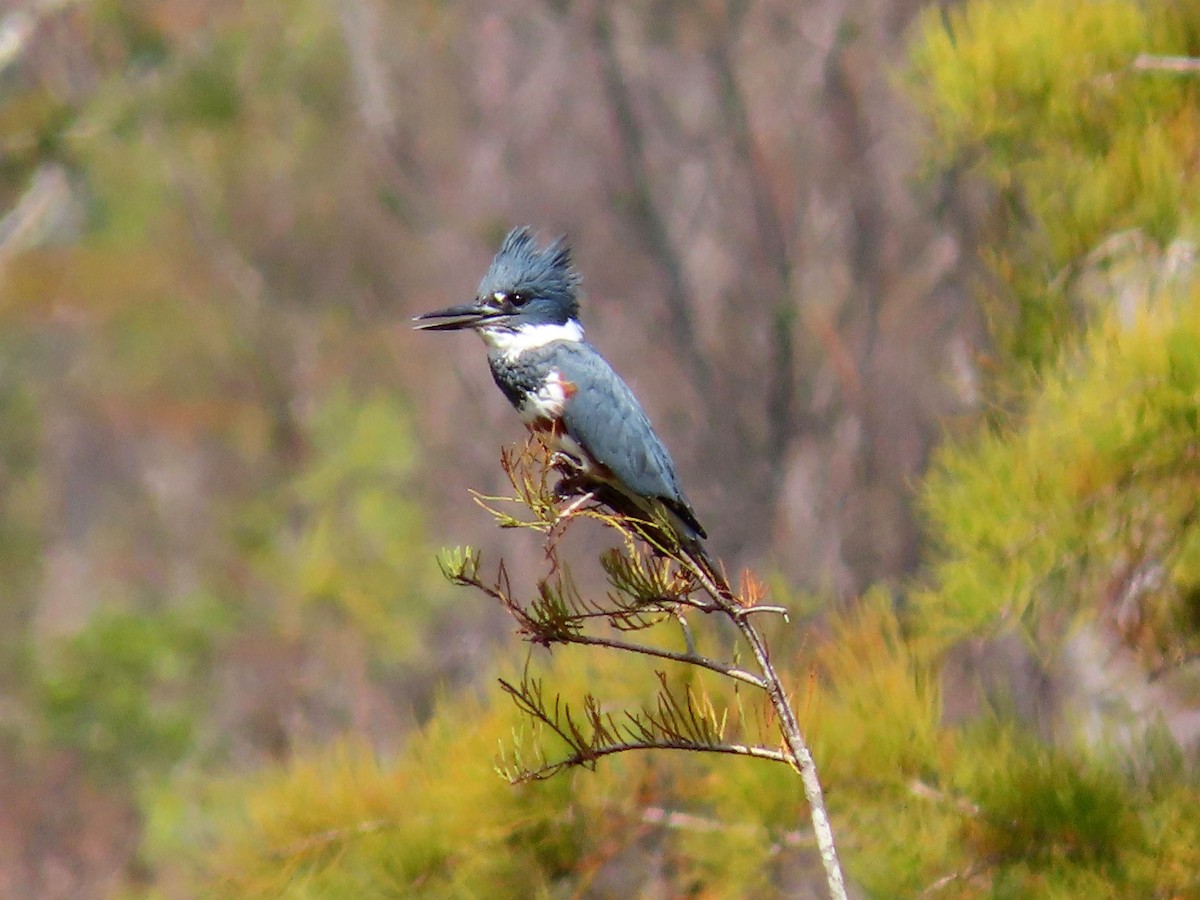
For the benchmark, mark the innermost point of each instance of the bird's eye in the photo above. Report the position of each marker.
(518, 298)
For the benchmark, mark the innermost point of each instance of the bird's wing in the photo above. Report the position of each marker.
(604, 417)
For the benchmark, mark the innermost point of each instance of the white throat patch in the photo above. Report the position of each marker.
(511, 344)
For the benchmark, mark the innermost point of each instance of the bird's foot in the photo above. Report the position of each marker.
(565, 463)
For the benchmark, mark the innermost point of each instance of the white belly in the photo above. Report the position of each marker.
(546, 404)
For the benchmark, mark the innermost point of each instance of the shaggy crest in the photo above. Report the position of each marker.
(519, 266)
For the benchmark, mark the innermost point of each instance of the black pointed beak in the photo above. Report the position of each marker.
(454, 318)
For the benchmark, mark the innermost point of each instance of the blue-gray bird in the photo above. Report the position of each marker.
(527, 312)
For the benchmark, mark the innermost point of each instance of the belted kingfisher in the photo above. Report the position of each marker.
(527, 312)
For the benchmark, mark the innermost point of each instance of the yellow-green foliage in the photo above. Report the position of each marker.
(1042, 100)
(122, 692)
(1081, 496)
(1053, 823)
(1097, 481)
(878, 739)
(437, 821)
(361, 547)
(1037, 804)
(914, 802)
(1040, 516)
(866, 659)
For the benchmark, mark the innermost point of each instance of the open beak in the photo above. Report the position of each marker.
(454, 318)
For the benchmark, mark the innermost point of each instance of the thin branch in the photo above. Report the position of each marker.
(588, 756)
(778, 610)
(963, 875)
(802, 758)
(693, 658)
(929, 792)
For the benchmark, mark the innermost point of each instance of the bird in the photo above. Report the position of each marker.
(526, 310)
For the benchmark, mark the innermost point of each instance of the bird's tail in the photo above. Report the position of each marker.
(672, 528)
(712, 576)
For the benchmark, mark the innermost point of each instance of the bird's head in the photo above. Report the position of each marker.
(527, 290)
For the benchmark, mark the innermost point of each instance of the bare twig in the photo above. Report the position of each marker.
(586, 758)
(690, 658)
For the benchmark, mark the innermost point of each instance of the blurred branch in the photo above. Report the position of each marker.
(681, 821)
(43, 208)
(641, 208)
(18, 26)
(15, 30)
(361, 30)
(258, 333)
(334, 836)
(852, 131)
(772, 243)
(375, 86)
(651, 577)
(1182, 65)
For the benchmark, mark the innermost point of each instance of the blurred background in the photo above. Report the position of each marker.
(226, 461)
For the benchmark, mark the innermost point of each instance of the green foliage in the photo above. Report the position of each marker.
(1038, 806)
(1097, 481)
(361, 548)
(1057, 823)
(188, 315)
(436, 822)
(1042, 101)
(123, 691)
(1076, 498)
(1080, 497)
(206, 94)
(866, 659)
(916, 803)
(875, 720)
